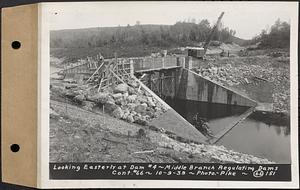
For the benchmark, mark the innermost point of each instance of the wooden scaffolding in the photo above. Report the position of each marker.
(111, 72)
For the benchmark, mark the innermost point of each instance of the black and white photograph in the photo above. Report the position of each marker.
(170, 83)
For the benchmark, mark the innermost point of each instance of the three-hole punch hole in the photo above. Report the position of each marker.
(16, 44)
(15, 148)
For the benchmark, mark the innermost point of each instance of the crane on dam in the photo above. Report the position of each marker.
(199, 52)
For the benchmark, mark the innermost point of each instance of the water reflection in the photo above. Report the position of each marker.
(264, 140)
(218, 115)
(279, 122)
(261, 134)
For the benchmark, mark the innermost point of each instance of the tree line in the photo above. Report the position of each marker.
(179, 34)
(278, 36)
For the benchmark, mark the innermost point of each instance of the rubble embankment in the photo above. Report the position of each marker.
(247, 73)
(127, 102)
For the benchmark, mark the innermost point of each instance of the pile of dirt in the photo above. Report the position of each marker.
(232, 48)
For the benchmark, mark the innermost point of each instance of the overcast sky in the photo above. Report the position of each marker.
(248, 19)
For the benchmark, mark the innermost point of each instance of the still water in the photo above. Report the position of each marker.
(259, 134)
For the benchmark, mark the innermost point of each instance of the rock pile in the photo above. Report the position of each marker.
(218, 154)
(241, 72)
(130, 104)
(229, 75)
(126, 102)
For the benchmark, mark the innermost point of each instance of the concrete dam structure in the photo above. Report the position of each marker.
(192, 86)
(166, 77)
(185, 84)
(182, 83)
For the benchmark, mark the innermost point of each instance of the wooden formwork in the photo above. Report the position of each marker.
(111, 73)
(105, 73)
(102, 73)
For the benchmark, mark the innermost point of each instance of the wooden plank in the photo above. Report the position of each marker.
(117, 76)
(100, 85)
(95, 71)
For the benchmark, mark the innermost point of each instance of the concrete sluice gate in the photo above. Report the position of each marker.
(183, 84)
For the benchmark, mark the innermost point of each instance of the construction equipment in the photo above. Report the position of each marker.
(205, 46)
(199, 52)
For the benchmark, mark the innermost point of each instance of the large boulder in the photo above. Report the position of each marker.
(133, 83)
(131, 106)
(130, 118)
(121, 88)
(140, 108)
(141, 121)
(99, 98)
(117, 96)
(125, 95)
(87, 105)
(70, 94)
(110, 100)
(118, 113)
(132, 98)
(144, 104)
(119, 101)
(150, 102)
(142, 99)
(126, 113)
(71, 86)
(79, 98)
(110, 107)
(131, 90)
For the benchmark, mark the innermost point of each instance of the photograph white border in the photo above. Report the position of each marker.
(45, 12)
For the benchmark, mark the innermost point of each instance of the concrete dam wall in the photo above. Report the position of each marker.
(191, 86)
(182, 83)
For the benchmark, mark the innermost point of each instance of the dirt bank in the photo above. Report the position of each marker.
(78, 135)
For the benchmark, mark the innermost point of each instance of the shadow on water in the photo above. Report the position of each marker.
(218, 115)
(265, 135)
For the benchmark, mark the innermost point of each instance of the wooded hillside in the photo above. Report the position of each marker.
(278, 36)
(136, 40)
(181, 33)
